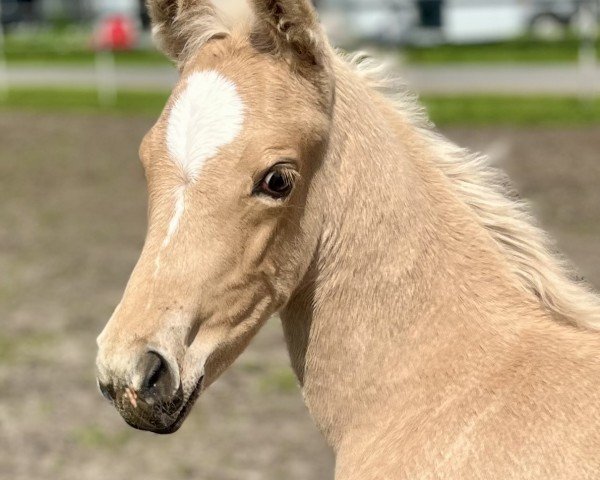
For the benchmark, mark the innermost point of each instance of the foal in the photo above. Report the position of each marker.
(432, 332)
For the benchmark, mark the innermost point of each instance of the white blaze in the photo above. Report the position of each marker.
(179, 198)
(206, 116)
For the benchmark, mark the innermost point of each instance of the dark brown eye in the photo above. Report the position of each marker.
(278, 183)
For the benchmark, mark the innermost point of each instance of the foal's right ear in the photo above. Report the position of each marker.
(179, 26)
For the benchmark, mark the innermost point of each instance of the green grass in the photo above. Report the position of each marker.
(82, 57)
(72, 46)
(511, 110)
(514, 51)
(129, 102)
(69, 47)
(519, 50)
(443, 110)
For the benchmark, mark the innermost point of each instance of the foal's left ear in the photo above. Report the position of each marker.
(290, 28)
(180, 26)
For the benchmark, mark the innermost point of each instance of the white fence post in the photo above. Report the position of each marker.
(588, 60)
(106, 78)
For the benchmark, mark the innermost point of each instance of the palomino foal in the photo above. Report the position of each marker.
(432, 332)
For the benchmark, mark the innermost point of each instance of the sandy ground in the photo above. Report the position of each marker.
(72, 221)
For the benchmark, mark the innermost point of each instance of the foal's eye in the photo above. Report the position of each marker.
(277, 183)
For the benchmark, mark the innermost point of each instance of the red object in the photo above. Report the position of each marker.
(116, 32)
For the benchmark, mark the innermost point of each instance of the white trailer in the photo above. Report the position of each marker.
(476, 21)
(460, 21)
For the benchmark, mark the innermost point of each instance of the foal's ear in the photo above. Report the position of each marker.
(290, 28)
(179, 26)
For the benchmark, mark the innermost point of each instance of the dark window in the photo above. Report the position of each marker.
(430, 13)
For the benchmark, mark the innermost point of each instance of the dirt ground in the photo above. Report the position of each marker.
(72, 221)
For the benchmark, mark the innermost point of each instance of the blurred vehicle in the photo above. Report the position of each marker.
(423, 21)
(445, 21)
(551, 19)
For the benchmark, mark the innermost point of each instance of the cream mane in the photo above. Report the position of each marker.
(487, 191)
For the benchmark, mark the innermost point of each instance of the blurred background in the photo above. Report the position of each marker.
(80, 83)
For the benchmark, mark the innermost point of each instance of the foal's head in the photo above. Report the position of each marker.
(229, 166)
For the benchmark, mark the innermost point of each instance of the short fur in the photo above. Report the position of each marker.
(431, 328)
(507, 218)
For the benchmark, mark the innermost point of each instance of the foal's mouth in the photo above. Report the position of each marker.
(157, 418)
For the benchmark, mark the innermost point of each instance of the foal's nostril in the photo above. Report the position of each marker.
(158, 383)
(107, 391)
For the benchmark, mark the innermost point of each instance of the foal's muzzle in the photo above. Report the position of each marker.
(155, 405)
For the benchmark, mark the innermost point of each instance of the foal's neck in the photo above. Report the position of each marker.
(404, 281)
